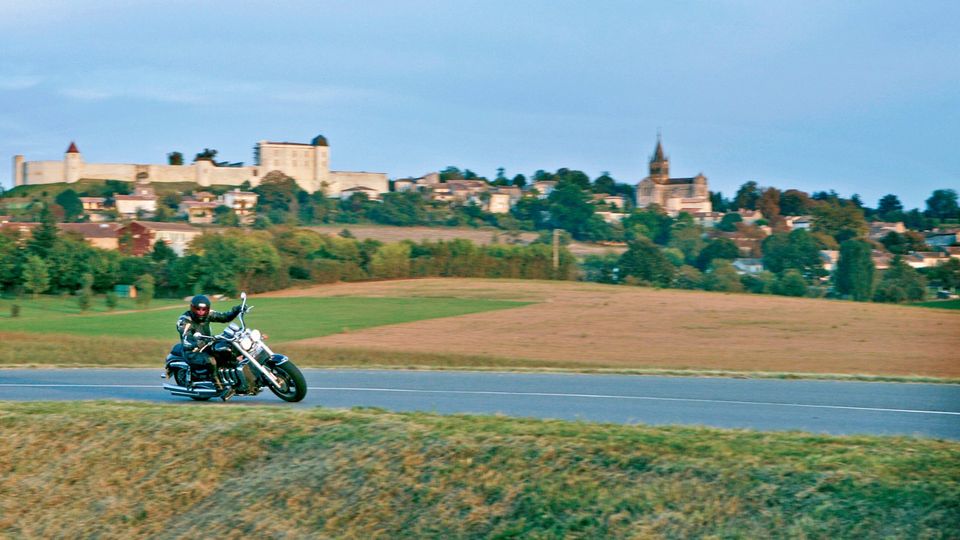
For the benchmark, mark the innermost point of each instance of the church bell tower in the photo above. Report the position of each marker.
(659, 165)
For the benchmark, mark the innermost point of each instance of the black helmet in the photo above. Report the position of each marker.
(200, 307)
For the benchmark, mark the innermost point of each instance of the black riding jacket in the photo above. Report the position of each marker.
(187, 325)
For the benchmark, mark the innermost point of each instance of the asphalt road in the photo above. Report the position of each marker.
(926, 410)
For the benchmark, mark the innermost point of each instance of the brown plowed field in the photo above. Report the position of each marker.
(633, 327)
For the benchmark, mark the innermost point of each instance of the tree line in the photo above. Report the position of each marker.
(50, 261)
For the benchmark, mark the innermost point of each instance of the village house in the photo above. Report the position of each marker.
(798, 222)
(926, 259)
(544, 188)
(243, 203)
(497, 203)
(610, 217)
(879, 229)
(881, 259)
(748, 265)
(707, 219)
(101, 235)
(95, 208)
(198, 212)
(750, 217)
(941, 238)
(830, 257)
(143, 201)
(139, 237)
(404, 185)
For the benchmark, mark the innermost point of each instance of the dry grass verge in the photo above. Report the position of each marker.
(118, 470)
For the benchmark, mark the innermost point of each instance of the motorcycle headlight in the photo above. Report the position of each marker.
(255, 335)
(246, 343)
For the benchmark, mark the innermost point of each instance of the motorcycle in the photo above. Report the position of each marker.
(245, 364)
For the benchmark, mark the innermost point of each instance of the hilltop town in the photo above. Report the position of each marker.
(665, 231)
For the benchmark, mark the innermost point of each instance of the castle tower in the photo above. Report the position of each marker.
(321, 163)
(17, 170)
(659, 165)
(72, 164)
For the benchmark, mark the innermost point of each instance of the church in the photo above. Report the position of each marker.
(674, 195)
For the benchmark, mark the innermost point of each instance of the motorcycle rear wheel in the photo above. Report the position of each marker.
(294, 385)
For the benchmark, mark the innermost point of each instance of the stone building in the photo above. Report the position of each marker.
(674, 195)
(308, 164)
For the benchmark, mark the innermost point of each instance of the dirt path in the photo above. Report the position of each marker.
(632, 327)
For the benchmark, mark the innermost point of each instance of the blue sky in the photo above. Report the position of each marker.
(859, 96)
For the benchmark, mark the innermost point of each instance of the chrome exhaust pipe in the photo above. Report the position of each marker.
(189, 392)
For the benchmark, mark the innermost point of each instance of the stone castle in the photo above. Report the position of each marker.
(308, 164)
(674, 195)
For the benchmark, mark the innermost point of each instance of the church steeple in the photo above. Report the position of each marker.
(659, 164)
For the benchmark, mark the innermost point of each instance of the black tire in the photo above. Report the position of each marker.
(294, 385)
(180, 377)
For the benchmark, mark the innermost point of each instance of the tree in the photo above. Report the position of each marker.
(688, 277)
(644, 261)
(605, 184)
(162, 252)
(796, 249)
(790, 283)
(946, 275)
(570, 208)
(943, 205)
(651, 222)
(689, 240)
(10, 259)
(888, 207)
(519, 180)
(722, 277)
(717, 202)
(224, 215)
(85, 293)
(747, 196)
(794, 202)
(840, 220)
(277, 193)
(718, 248)
(901, 244)
(175, 158)
(769, 204)
(206, 155)
(44, 235)
(391, 261)
(70, 201)
(854, 274)
(728, 222)
(36, 278)
(900, 283)
(145, 290)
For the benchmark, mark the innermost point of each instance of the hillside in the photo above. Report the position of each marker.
(121, 470)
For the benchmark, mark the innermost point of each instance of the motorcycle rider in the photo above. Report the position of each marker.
(198, 319)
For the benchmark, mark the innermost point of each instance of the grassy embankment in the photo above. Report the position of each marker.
(52, 331)
(114, 470)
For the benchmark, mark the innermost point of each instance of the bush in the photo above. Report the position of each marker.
(15, 310)
(110, 300)
(145, 290)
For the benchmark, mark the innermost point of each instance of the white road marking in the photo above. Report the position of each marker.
(644, 398)
(538, 394)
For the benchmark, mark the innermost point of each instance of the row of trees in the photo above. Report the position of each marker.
(50, 261)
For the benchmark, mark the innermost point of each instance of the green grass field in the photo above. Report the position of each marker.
(940, 304)
(283, 319)
(124, 470)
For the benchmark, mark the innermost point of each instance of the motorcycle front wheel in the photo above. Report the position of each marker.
(294, 385)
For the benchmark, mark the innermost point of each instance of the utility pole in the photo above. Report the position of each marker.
(556, 251)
